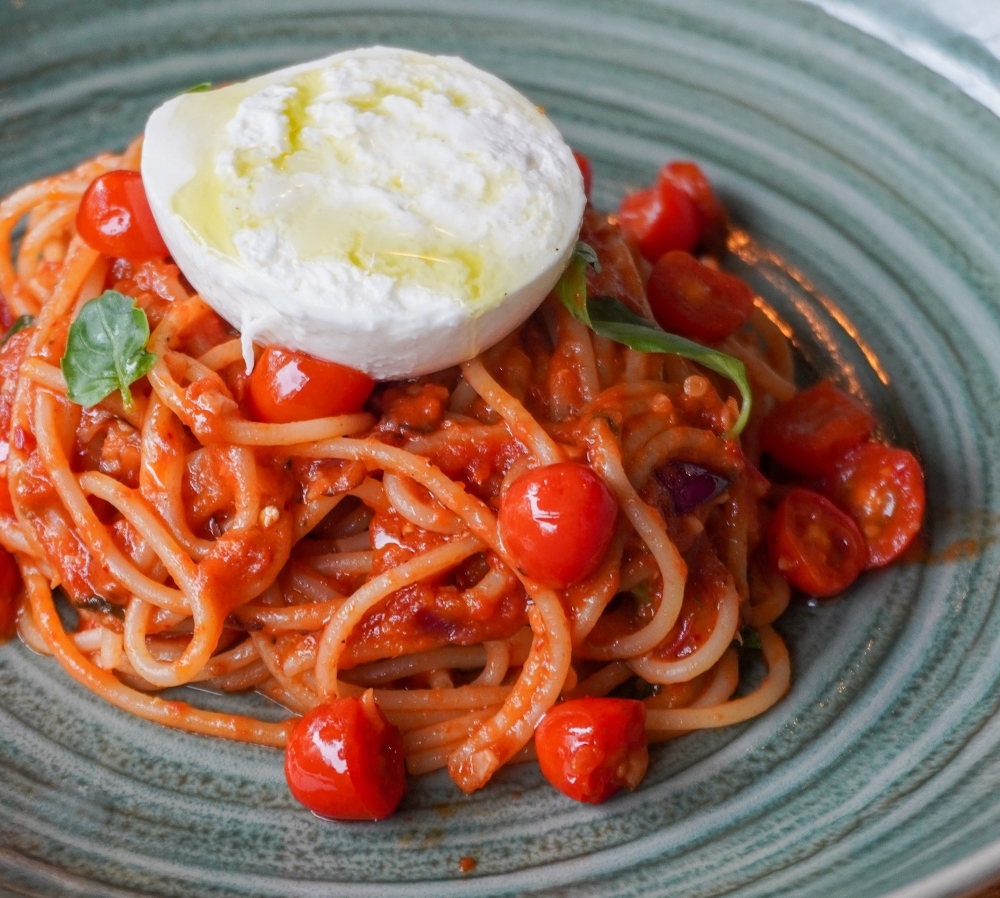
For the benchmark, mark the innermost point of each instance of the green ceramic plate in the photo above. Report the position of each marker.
(878, 184)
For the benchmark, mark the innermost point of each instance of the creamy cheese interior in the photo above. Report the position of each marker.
(381, 208)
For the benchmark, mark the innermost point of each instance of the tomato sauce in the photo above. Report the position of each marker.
(432, 613)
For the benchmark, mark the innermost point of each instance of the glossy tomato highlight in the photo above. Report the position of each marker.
(589, 748)
(882, 489)
(557, 522)
(287, 386)
(816, 547)
(344, 760)
(115, 219)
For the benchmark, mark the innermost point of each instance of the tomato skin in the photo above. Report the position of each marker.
(10, 584)
(115, 219)
(287, 385)
(344, 760)
(696, 301)
(811, 432)
(586, 171)
(588, 748)
(817, 547)
(659, 219)
(882, 489)
(711, 213)
(557, 522)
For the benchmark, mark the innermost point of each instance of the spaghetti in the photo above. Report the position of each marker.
(332, 556)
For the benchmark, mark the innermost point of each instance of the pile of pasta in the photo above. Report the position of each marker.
(332, 556)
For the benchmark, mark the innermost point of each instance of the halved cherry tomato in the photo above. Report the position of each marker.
(588, 748)
(114, 218)
(585, 170)
(711, 213)
(660, 218)
(10, 583)
(816, 546)
(696, 301)
(287, 385)
(557, 522)
(882, 488)
(345, 760)
(811, 432)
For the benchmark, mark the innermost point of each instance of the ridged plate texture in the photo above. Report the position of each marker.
(870, 189)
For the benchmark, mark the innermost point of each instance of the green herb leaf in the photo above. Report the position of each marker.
(106, 349)
(571, 288)
(643, 593)
(198, 88)
(749, 638)
(642, 689)
(586, 252)
(610, 318)
(100, 605)
(20, 323)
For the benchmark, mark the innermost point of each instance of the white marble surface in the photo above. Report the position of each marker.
(893, 22)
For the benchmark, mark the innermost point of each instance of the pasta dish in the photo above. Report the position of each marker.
(395, 551)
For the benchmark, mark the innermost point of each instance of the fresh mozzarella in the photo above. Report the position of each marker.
(381, 208)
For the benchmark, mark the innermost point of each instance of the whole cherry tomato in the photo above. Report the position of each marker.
(696, 301)
(114, 218)
(10, 583)
(586, 171)
(286, 385)
(660, 218)
(811, 432)
(817, 547)
(711, 213)
(344, 760)
(557, 522)
(588, 748)
(882, 489)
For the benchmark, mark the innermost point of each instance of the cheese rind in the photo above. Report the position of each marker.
(385, 209)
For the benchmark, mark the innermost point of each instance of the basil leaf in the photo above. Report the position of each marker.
(199, 88)
(571, 288)
(610, 318)
(586, 252)
(106, 349)
(643, 593)
(20, 323)
(100, 605)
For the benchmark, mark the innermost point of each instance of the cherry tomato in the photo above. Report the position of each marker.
(344, 760)
(817, 547)
(10, 583)
(882, 489)
(811, 432)
(711, 213)
(557, 522)
(114, 218)
(696, 301)
(660, 218)
(585, 170)
(286, 385)
(588, 748)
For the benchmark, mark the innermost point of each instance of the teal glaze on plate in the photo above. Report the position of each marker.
(878, 184)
